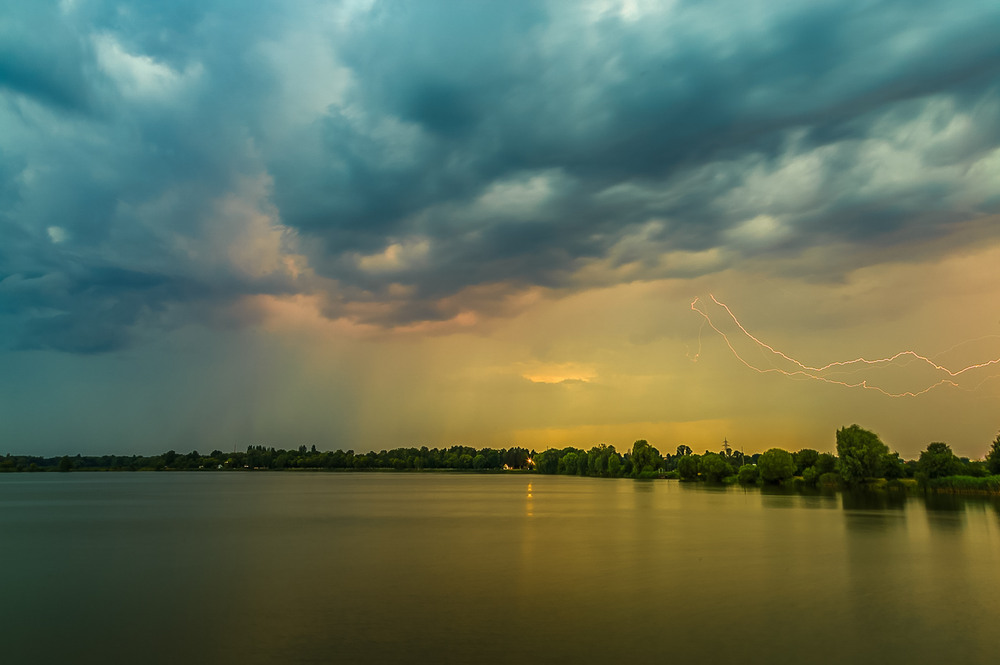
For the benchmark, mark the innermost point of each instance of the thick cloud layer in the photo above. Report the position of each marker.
(160, 162)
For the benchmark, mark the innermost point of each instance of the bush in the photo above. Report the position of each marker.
(805, 458)
(826, 463)
(793, 483)
(776, 465)
(830, 479)
(747, 475)
(985, 485)
(810, 476)
(687, 467)
(713, 468)
(938, 461)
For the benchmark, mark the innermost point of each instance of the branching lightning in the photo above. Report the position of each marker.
(823, 373)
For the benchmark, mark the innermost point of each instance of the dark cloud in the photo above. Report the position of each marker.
(165, 157)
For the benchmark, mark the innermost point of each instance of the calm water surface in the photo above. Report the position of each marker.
(452, 568)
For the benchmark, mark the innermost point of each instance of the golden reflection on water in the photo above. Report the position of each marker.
(317, 567)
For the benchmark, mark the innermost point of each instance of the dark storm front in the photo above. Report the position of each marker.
(318, 568)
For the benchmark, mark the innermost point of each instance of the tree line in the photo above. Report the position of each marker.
(861, 457)
(265, 457)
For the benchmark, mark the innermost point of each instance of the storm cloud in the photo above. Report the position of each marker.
(162, 162)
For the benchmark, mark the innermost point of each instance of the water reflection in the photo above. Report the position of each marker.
(945, 511)
(871, 510)
(439, 568)
(944, 502)
(782, 497)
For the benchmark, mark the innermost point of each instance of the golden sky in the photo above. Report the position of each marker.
(362, 225)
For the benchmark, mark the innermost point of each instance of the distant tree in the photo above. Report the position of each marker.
(568, 464)
(614, 465)
(993, 457)
(714, 467)
(811, 475)
(776, 465)
(974, 468)
(862, 454)
(937, 461)
(804, 459)
(894, 467)
(493, 459)
(683, 450)
(825, 463)
(599, 460)
(688, 466)
(515, 458)
(747, 475)
(65, 464)
(644, 457)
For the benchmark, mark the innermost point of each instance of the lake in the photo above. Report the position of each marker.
(463, 568)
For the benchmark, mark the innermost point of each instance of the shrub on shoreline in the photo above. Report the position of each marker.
(964, 484)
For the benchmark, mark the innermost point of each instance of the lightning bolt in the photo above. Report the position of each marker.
(858, 364)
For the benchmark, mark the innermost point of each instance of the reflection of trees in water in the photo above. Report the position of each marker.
(945, 511)
(944, 502)
(865, 509)
(775, 496)
(869, 500)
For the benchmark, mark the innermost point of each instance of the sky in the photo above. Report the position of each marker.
(366, 225)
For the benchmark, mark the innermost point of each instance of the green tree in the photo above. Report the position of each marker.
(683, 450)
(547, 461)
(937, 461)
(687, 467)
(825, 463)
(515, 458)
(894, 467)
(993, 457)
(645, 458)
(973, 468)
(776, 465)
(747, 475)
(811, 475)
(568, 464)
(804, 459)
(614, 465)
(714, 468)
(862, 454)
(65, 464)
